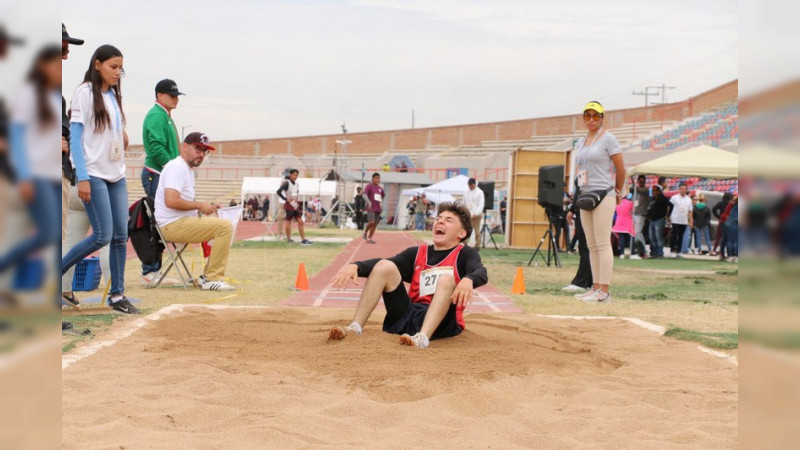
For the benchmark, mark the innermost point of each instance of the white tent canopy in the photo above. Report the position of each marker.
(702, 161)
(269, 185)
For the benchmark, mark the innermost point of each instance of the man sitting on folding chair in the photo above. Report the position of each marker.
(177, 212)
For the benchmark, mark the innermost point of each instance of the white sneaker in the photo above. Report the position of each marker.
(207, 285)
(418, 340)
(636, 257)
(585, 294)
(574, 289)
(597, 296)
(621, 256)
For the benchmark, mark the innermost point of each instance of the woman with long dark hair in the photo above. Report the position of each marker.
(598, 156)
(33, 134)
(97, 140)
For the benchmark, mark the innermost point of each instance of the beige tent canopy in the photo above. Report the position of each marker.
(770, 162)
(702, 161)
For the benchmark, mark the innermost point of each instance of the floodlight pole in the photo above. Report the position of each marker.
(341, 169)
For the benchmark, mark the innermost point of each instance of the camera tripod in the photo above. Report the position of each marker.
(486, 231)
(552, 246)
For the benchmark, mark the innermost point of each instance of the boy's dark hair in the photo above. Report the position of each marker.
(640, 177)
(376, 174)
(294, 171)
(462, 212)
(683, 184)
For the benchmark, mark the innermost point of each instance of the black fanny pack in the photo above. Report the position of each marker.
(588, 201)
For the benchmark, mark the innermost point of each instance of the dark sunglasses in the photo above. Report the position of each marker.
(592, 117)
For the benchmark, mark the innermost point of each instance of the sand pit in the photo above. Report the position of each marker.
(267, 377)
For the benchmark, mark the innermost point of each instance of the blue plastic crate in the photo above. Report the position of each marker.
(87, 275)
(29, 275)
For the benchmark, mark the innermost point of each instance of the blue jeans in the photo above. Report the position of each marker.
(420, 219)
(701, 235)
(732, 233)
(46, 202)
(108, 214)
(657, 237)
(150, 184)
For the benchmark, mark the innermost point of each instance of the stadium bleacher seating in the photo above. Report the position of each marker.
(713, 129)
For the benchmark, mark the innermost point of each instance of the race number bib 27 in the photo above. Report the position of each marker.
(430, 277)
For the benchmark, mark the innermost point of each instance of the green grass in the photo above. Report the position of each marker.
(95, 324)
(723, 341)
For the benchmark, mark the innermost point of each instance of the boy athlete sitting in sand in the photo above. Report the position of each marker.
(442, 277)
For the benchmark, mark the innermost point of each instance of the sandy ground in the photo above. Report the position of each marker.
(269, 378)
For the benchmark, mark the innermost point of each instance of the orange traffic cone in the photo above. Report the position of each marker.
(301, 284)
(519, 282)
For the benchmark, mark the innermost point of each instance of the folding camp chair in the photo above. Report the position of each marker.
(174, 254)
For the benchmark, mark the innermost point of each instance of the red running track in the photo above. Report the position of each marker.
(486, 299)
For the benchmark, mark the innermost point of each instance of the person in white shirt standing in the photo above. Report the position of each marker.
(176, 211)
(475, 201)
(681, 220)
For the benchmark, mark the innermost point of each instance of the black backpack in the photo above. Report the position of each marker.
(142, 232)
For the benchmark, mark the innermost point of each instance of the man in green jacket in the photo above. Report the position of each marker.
(160, 139)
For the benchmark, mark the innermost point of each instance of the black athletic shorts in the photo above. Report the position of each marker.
(404, 317)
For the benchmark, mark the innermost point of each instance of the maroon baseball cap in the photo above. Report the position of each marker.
(198, 138)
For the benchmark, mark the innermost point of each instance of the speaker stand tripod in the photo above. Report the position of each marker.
(552, 247)
(485, 231)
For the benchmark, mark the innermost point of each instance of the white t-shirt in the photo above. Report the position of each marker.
(39, 142)
(179, 176)
(97, 147)
(474, 200)
(681, 209)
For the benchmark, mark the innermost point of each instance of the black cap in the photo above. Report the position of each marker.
(167, 86)
(470, 181)
(5, 37)
(66, 37)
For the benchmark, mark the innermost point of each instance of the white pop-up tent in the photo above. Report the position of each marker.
(443, 191)
(309, 188)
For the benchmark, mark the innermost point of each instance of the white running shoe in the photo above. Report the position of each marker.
(207, 285)
(597, 296)
(418, 340)
(573, 289)
(584, 294)
(636, 257)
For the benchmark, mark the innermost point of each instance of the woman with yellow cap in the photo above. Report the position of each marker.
(598, 155)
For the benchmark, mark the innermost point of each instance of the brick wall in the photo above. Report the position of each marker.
(473, 134)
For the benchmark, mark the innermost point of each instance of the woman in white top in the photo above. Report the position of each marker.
(598, 156)
(34, 130)
(97, 140)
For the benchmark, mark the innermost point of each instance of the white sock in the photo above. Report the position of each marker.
(356, 327)
(425, 339)
(116, 298)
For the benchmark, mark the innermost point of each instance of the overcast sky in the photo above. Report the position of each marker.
(268, 68)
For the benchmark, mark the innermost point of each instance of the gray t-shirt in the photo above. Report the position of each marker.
(642, 201)
(595, 162)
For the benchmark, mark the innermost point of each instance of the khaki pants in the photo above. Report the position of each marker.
(597, 227)
(66, 192)
(201, 229)
(476, 230)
